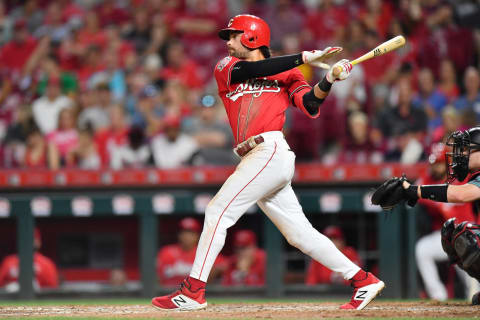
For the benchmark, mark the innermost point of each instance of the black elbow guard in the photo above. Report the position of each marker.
(311, 102)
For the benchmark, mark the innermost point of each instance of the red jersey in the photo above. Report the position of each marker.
(255, 275)
(258, 105)
(318, 273)
(46, 275)
(174, 264)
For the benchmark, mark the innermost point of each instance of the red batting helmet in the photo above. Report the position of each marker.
(256, 32)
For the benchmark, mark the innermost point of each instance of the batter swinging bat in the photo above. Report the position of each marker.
(383, 48)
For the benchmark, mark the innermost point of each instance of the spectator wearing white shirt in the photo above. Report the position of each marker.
(46, 109)
(135, 154)
(172, 149)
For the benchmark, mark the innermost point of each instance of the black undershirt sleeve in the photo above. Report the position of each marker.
(311, 102)
(244, 70)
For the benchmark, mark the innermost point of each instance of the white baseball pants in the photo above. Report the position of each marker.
(428, 251)
(263, 176)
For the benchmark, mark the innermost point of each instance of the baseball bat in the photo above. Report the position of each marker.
(381, 49)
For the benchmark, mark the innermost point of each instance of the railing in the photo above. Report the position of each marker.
(149, 193)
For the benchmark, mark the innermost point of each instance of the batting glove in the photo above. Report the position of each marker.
(339, 71)
(317, 58)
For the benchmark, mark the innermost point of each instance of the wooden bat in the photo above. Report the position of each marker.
(381, 49)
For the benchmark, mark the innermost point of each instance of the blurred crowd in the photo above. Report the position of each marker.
(128, 83)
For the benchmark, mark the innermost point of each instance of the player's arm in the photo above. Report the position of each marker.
(312, 99)
(244, 70)
(444, 192)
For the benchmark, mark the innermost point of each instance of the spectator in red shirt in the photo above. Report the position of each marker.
(318, 274)
(114, 136)
(110, 13)
(91, 33)
(178, 66)
(448, 82)
(377, 16)
(247, 265)
(175, 261)
(358, 145)
(16, 52)
(45, 271)
(92, 63)
(63, 140)
(322, 24)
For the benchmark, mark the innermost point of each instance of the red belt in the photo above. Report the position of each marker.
(247, 146)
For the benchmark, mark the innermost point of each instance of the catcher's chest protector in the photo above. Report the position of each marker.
(466, 242)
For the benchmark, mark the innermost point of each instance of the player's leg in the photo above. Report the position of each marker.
(285, 211)
(428, 250)
(257, 175)
(472, 286)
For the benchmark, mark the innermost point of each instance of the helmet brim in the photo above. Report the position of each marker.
(225, 33)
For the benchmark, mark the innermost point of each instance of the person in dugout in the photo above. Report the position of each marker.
(319, 274)
(428, 249)
(175, 261)
(45, 270)
(247, 265)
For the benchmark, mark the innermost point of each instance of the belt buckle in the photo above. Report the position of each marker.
(251, 142)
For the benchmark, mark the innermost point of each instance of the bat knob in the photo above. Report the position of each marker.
(336, 72)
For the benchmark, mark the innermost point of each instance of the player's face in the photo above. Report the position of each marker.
(474, 161)
(188, 239)
(235, 47)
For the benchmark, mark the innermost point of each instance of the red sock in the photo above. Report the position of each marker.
(195, 284)
(360, 275)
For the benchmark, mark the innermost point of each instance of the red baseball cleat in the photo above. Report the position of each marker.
(366, 288)
(183, 299)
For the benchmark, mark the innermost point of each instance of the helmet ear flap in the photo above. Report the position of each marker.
(249, 39)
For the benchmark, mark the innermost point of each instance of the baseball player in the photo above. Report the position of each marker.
(256, 90)
(428, 249)
(461, 242)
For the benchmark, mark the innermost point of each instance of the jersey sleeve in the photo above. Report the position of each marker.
(223, 72)
(297, 87)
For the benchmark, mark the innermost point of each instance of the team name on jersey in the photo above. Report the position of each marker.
(255, 86)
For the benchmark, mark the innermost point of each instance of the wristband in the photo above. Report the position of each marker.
(435, 192)
(324, 84)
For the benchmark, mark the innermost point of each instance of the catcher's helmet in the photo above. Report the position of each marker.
(256, 32)
(462, 144)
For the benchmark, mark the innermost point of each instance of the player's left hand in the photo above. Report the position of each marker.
(392, 192)
(317, 58)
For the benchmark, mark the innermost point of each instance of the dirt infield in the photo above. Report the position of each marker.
(252, 311)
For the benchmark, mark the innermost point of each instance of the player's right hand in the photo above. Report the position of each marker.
(317, 58)
(339, 71)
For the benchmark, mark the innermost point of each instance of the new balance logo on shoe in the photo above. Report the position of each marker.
(361, 295)
(178, 300)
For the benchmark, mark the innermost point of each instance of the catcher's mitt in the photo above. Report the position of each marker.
(389, 194)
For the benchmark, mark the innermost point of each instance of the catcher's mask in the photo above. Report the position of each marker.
(462, 143)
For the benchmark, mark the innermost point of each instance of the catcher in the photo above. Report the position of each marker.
(461, 242)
